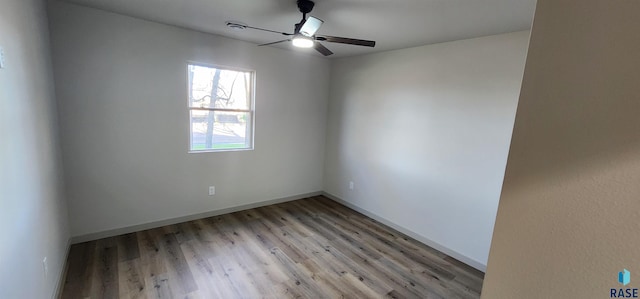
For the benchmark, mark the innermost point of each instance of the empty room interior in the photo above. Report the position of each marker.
(319, 149)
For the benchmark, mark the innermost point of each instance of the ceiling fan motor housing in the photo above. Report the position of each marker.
(305, 6)
(308, 33)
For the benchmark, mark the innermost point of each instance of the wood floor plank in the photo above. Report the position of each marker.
(79, 273)
(287, 220)
(177, 266)
(362, 268)
(309, 248)
(149, 247)
(130, 279)
(300, 276)
(271, 240)
(161, 286)
(243, 285)
(127, 245)
(338, 261)
(388, 244)
(106, 270)
(202, 270)
(254, 262)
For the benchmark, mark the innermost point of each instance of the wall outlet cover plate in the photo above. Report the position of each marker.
(1, 58)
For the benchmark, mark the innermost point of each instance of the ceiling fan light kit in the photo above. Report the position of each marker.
(304, 34)
(302, 42)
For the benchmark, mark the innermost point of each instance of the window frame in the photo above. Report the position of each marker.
(251, 111)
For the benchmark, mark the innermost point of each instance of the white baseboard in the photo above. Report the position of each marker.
(130, 229)
(469, 261)
(155, 224)
(57, 293)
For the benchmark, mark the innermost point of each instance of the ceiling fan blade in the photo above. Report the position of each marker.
(268, 30)
(240, 26)
(344, 40)
(322, 49)
(273, 43)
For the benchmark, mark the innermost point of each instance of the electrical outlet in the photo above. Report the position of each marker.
(45, 266)
(351, 186)
(212, 190)
(1, 58)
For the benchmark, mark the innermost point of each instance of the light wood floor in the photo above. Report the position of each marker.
(309, 248)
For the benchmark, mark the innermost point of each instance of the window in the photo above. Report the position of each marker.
(220, 108)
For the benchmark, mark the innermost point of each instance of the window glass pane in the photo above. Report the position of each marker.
(211, 87)
(220, 130)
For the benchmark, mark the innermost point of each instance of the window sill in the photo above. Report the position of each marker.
(220, 150)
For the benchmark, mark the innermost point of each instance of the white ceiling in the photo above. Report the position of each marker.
(393, 24)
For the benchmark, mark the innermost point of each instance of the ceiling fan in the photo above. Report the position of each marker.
(304, 34)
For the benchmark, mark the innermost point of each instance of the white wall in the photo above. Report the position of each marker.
(569, 214)
(33, 213)
(123, 115)
(424, 135)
